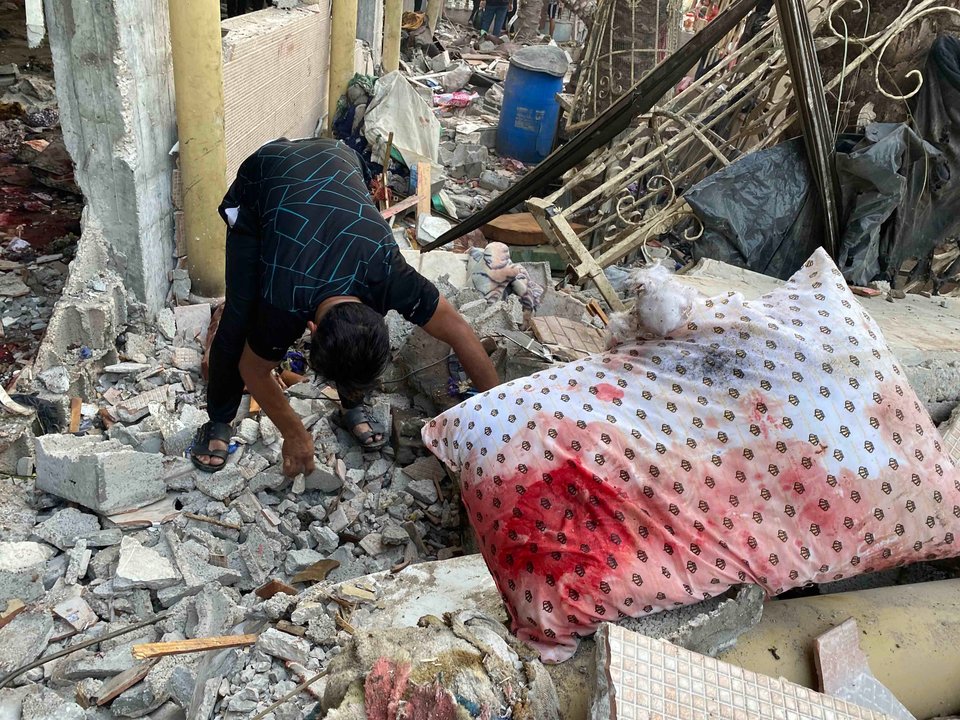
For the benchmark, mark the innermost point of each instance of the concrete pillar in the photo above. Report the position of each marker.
(112, 66)
(343, 34)
(433, 13)
(198, 75)
(370, 20)
(392, 17)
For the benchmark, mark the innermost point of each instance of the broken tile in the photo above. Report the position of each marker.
(641, 677)
(845, 672)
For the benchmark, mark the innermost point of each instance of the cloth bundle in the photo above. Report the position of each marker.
(774, 442)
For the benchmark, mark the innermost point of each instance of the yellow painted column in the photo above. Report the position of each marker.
(343, 37)
(908, 633)
(433, 13)
(198, 77)
(392, 18)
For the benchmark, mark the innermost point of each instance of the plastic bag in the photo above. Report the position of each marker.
(774, 442)
(398, 108)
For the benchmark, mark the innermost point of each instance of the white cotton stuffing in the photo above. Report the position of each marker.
(662, 305)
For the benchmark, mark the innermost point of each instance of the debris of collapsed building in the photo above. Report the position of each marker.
(247, 594)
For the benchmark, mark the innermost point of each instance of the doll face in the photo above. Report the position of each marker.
(497, 254)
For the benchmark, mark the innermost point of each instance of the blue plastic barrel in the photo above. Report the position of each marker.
(530, 111)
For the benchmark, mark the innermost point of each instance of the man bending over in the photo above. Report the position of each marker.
(307, 248)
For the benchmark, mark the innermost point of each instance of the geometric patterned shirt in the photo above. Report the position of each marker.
(320, 236)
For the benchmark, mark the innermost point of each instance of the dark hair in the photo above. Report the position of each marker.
(351, 347)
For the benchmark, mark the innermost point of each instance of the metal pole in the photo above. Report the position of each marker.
(812, 104)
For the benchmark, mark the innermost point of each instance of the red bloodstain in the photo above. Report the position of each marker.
(608, 392)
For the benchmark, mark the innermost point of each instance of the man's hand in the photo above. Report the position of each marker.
(450, 327)
(298, 455)
(257, 373)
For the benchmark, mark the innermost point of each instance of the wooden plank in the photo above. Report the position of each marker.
(118, 684)
(424, 188)
(13, 608)
(213, 521)
(75, 405)
(402, 206)
(179, 647)
(271, 588)
(519, 229)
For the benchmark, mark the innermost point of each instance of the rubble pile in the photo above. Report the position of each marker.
(39, 214)
(122, 528)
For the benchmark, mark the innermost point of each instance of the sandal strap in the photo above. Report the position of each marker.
(359, 415)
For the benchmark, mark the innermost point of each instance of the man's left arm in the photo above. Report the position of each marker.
(447, 325)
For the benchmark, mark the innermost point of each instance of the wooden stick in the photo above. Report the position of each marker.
(123, 682)
(75, 405)
(424, 187)
(400, 207)
(254, 406)
(179, 647)
(213, 521)
(386, 164)
(296, 691)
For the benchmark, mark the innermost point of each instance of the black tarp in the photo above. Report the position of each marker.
(900, 195)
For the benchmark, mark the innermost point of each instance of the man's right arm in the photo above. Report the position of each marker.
(257, 373)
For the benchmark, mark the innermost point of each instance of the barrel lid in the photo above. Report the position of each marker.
(541, 58)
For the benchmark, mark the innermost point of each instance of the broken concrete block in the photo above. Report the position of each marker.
(103, 538)
(56, 379)
(298, 560)
(192, 560)
(223, 484)
(324, 479)
(22, 641)
(78, 563)
(372, 544)
(327, 539)
(494, 181)
(166, 323)
(248, 431)
(214, 612)
(393, 534)
(339, 520)
(41, 703)
(192, 322)
(177, 432)
(258, 554)
(322, 629)
(468, 161)
(22, 568)
(143, 567)
(103, 475)
(64, 527)
(423, 490)
(286, 647)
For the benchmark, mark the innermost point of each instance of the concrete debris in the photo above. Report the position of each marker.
(22, 641)
(22, 567)
(64, 527)
(143, 567)
(102, 475)
(280, 645)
